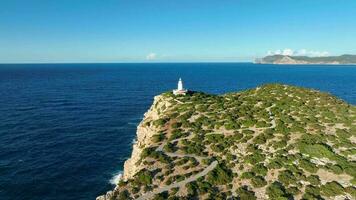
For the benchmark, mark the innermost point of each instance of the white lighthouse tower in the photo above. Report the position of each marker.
(180, 90)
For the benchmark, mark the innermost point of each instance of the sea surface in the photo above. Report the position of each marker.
(66, 129)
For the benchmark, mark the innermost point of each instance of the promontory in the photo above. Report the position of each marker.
(272, 142)
(295, 60)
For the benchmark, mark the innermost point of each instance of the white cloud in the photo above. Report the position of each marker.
(151, 56)
(301, 52)
(287, 52)
(318, 53)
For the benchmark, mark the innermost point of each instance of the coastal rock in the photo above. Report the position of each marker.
(143, 139)
(144, 135)
(107, 196)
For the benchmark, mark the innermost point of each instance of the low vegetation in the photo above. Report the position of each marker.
(272, 142)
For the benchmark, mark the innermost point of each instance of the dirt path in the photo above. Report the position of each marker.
(212, 166)
(149, 195)
(273, 121)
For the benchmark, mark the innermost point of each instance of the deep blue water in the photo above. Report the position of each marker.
(66, 129)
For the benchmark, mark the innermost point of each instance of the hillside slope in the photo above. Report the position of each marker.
(334, 60)
(272, 142)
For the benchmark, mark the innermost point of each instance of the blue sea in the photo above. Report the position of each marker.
(66, 129)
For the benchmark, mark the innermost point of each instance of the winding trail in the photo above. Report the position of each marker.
(192, 178)
(273, 121)
(179, 184)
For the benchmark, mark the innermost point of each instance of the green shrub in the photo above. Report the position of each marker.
(313, 179)
(351, 190)
(287, 177)
(160, 122)
(277, 191)
(124, 195)
(176, 133)
(244, 194)
(312, 192)
(161, 196)
(261, 124)
(255, 158)
(335, 168)
(331, 189)
(215, 138)
(176, 125)
(220, 175)
(248, 132)
(158, 138)
(191, 188)
(308, 166)
(274, 164)
(147, 152)
(260, 139)
(204, 187)
(143, 177)
(260, 169)
(247, 175)
(258, 181)
(194, 148)
(293, 190)
(169, 147)
(280, 144)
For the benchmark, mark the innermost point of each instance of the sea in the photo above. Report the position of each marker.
(66, 129)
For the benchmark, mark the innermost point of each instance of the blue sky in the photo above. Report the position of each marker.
(173, 30)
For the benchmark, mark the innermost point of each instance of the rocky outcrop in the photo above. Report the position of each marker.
(145, 131)
(106, 196)
(289, 60)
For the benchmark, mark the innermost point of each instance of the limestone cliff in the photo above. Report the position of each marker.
(143, 139)
(144, 135)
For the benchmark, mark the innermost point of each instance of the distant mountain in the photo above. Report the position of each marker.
(281, 59)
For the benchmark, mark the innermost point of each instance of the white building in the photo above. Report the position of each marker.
(180, 90)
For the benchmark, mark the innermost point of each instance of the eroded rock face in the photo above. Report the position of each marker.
(107, 196)
(144, 135)
(143, 139)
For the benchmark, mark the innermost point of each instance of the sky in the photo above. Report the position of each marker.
(45, 31)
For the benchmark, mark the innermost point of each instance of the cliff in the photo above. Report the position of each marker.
(295, 60)
(272, 142)
(145, 133)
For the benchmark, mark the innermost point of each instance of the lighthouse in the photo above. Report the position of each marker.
(180, 90)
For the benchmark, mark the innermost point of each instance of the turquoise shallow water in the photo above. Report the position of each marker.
(66, 129)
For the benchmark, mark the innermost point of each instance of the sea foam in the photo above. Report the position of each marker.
(116, 178)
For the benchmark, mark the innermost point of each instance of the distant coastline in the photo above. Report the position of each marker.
(305, 60)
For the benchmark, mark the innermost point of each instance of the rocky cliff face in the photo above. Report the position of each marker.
(144, 135)
(145, 131)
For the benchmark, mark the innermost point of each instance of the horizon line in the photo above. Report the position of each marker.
(149, 62)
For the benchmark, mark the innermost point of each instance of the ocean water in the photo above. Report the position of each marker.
(66, 129)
